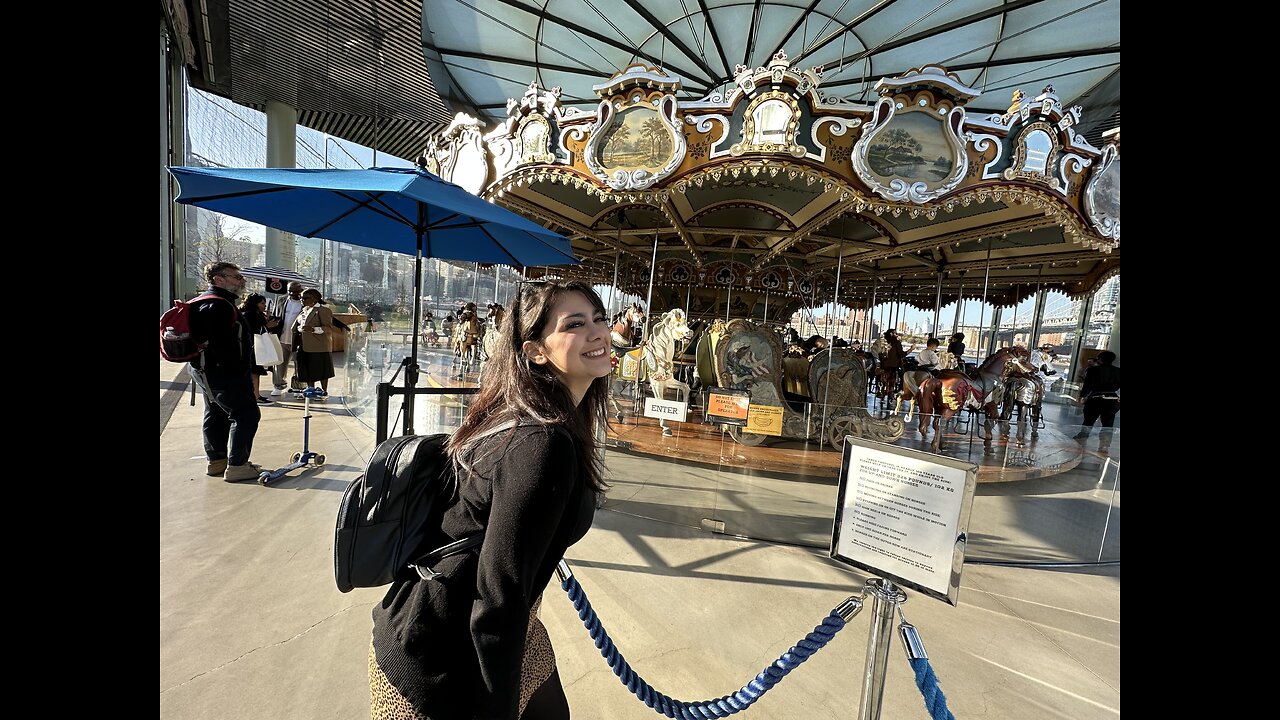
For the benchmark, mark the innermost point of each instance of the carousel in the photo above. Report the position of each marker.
(731, 212)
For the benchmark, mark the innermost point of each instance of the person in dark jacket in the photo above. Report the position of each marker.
(254, 310)
(223, 372)
(468, 644)
(1101, 397)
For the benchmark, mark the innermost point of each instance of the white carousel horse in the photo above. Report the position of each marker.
(660, 348)
(492, 331)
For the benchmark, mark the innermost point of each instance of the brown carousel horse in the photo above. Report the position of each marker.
(624, 337)
(944, 396)
(466, 338)
(913, 379)
(623, 333)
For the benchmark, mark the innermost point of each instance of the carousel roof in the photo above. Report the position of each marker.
(481, 54)
(772, 171)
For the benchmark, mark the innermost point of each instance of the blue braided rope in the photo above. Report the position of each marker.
(934, 701)
(722, 707)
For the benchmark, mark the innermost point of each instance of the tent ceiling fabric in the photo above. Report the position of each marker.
(323, 57)
(473, 57)
(491, 51)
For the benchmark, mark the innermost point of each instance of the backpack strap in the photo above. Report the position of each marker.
(235, 312)
(423, 564)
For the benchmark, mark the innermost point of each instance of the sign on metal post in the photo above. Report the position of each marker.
(764, 419)
(665, 409)
(903, 514)
(727, 406)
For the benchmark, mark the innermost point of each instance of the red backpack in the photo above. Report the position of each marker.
(176, 343)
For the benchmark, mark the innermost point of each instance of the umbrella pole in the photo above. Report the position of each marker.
(411, 362)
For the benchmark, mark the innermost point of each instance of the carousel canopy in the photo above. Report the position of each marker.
(764, 146)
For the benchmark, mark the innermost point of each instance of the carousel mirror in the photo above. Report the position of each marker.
(1039, 147)
(771, 120)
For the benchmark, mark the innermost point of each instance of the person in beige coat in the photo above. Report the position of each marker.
(313, 333)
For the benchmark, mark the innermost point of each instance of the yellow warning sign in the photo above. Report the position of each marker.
(764, 420)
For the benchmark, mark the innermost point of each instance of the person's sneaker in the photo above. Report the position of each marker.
(324, 393)
(239, 473)
(277, 392)
(265, 401)
(216, 467)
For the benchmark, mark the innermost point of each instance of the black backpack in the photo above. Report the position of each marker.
(388, 512)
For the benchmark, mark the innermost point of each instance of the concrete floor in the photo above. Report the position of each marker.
(251, 625)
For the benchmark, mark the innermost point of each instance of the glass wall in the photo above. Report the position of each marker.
(1042, 496)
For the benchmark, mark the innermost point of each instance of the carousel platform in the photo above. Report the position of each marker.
(1052, 452)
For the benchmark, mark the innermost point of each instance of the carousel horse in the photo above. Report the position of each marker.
(1023, 394)
(943, 396)
(466, 336)
(623, 336)
(660, 348)
(492, 332)
(429, 334)
(911, 382)
(624, 329)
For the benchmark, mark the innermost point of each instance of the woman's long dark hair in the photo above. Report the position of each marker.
(251, 301)
(513, 388)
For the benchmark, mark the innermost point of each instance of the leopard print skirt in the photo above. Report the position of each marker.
(386, 703)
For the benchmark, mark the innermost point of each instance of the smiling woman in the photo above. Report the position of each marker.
(454, 647)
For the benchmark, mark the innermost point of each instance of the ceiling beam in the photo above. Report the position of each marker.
(545, 16)
(865, 245)
(858, 20)
(523, 62)
(1023, 59)
(801, 20)
(715, 38)
(994, 10)
(711, 75)
(674, 216)
(803, 231)
(751, 35)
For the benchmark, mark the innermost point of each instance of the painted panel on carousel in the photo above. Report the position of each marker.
(748, 358)
(529, 133)
(458, 154)
(636, 140)
(913, 148)
(1102, 195)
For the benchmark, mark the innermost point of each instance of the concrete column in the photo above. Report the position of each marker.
(1113, 341)
(994, 343)
(1037, 318)
(282, 139)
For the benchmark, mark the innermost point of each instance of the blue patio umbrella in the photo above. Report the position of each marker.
(404, 210)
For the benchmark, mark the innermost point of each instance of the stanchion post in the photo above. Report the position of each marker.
(383, 411)
(887, 597)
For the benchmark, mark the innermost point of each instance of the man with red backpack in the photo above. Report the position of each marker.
(223, 371)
